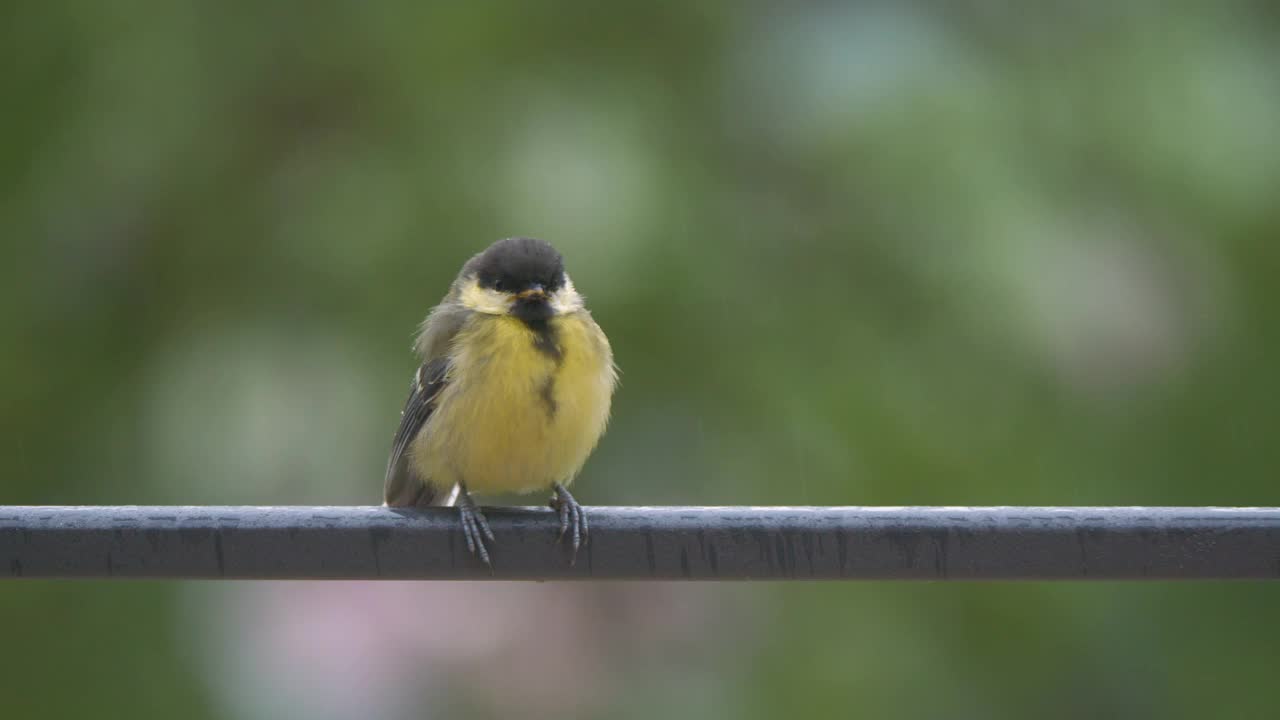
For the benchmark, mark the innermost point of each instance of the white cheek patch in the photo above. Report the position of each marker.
(484, 300)
(491, 302)
(566, 299)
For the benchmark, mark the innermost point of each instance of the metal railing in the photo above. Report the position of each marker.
(644, 543)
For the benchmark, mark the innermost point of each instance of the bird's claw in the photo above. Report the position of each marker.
(475, 528)
(572, 516)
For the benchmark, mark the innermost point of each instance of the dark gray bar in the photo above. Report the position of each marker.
(668, 543)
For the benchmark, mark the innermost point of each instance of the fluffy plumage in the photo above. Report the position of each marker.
(514, 390)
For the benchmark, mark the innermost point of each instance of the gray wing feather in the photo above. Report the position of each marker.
(403, 487)
(435, 338)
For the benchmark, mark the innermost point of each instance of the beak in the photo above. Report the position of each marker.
(533, 292)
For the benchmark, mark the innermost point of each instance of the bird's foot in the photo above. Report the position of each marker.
(572, 517)
(475, 528)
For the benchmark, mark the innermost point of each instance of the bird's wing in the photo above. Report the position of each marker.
(403, 487)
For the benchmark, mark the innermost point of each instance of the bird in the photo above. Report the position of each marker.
(512, 394)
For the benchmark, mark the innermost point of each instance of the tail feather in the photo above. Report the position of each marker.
(406, 489)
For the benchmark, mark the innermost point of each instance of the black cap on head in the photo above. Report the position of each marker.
(514, 264)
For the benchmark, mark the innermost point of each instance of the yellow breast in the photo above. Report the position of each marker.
(520, 410)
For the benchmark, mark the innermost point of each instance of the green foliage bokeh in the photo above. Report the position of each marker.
(954, 253)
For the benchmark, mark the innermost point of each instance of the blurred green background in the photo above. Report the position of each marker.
(900, 253)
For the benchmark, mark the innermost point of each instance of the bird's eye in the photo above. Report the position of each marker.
(500, 285)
